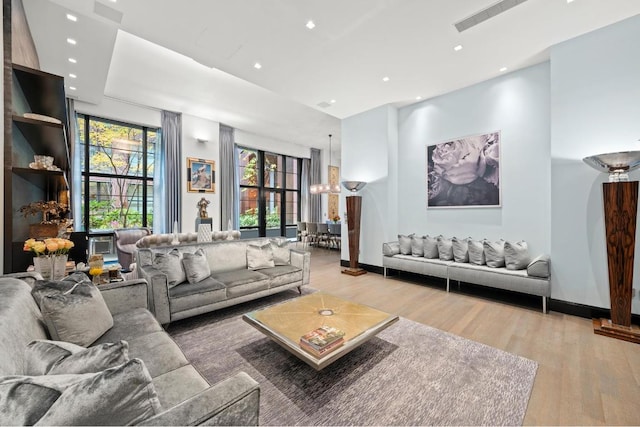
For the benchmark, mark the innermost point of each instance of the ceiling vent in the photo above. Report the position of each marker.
(484, 14)
(324, 104)
(107, 12)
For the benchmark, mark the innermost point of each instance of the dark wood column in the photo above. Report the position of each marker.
(620, 211)
(354, 206)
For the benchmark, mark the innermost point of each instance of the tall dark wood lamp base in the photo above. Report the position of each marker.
(609, 329)
(354, 271)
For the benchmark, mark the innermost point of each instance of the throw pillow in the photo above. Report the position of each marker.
(445, 249)
(431, 247)
(476, 252)
(281, 254)
(390, 249)
(494, 253)
(78, 315)
(44, 357)
(405, 243)
(539, 267)
(260, 256)
(417, 246)
(196, 267)
(516, 255)
(42, 288)
(123, 395)
(460, 249)
(171, 265)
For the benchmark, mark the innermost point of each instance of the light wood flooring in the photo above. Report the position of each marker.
(582, 378)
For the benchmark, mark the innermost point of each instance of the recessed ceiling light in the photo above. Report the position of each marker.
(71, 17)
(257, 65)
(569, 1)
(418, 97)
(457, 48)
(72, 60)
(72, 88)
(385, 79)
(333, 101)
(503, 69)
(71, 41)
(73, 76)
(310, 25)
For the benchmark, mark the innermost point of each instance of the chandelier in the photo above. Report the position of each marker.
(325, 188)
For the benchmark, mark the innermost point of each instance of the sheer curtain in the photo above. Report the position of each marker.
(229, 185)
(75, 178)
(159, 195)
(315, 207)
(171, 181)
(305, 182)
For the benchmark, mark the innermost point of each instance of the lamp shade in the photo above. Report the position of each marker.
(614, 163)
(354, 186)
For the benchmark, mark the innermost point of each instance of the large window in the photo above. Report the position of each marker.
(117, 174)
(269, 193)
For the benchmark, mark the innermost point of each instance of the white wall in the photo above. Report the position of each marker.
(517, 105)
(595, 108)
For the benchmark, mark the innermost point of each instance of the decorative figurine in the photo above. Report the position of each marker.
(202, 207)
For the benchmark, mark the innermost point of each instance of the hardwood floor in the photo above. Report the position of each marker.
(582, 378)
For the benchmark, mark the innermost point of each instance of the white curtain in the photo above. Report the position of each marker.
(315, 207)
(229, 185)
(169, 185)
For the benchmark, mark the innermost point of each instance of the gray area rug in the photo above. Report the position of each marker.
(410, 374)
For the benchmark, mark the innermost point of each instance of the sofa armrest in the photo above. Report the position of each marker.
(391, 248)
(159, 292)
(126, 295)
(302, 260)
(234, 401)
(26, 276)
(540, 267)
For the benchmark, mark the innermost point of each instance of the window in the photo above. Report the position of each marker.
(117, 174)
(269, 193)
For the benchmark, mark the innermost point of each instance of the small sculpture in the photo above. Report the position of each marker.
(202, 207)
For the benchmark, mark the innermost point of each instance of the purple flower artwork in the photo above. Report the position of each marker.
(464, 172)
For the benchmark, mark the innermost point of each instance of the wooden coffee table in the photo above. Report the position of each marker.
(286, 322)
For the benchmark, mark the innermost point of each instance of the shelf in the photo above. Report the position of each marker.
(43, 179)
(45, 138)
(43, 91)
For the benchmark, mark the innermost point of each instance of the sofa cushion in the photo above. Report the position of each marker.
(282, 275)
(431, 247)
(494, 253)
(158, 351)
(171, 265)
(196, 266)
(179, 385)
(516, 255)
(260, 256)
(445, 249)
(405, 243)
(417, 246)
(205, 292)
(129, 325)
(281, 253)
(460, 249)
(242, 282)
(79, 315)
(476, 252)
(122, 395)
(44, 357)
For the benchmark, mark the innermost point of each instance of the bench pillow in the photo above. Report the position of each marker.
(390, 249)
(539, 267)
(494, 253)
(405, 243)
(460, 249)
(445, 249)
(417, 246)
(431, 247)
(516, 255)
(476, 252)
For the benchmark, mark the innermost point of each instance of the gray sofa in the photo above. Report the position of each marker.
(534, 280)
(186, 397)
(230, 282)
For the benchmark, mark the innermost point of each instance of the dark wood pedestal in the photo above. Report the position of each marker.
(354, 207)
(620, 210)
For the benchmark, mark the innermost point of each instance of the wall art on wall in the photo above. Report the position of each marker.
(334, 199)
(464, 172)
(202, 175)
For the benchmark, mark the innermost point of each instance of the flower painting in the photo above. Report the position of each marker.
(464, 172)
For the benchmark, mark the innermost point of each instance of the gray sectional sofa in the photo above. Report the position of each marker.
(186, 398)
(535, 279)
(229, 281)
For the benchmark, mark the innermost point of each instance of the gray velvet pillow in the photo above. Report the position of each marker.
(460, 249)
(390, 249)
(539, 267)
(445, 249)
(417, 246)
(516, 255)
(260, 256)
(405, 243)
(78, 315)
(44, 357)
(281, 253)
(476, 252)
(171, 265)
(196, 266)
(494, 253)
(431, 247)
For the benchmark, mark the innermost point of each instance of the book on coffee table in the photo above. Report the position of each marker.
(322, 340)
(322, 352)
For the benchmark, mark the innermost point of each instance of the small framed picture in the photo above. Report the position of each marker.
(202, 175)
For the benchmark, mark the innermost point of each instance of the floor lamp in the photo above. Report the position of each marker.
(354, 207)
(620, 210)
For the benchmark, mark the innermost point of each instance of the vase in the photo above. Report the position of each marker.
(51, 267)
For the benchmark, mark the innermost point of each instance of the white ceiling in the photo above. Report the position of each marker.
(197, 56)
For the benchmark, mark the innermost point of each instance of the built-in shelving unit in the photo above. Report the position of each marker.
(32, 91)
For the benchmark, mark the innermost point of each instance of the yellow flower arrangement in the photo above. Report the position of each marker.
(53, 246)
(95, 271)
